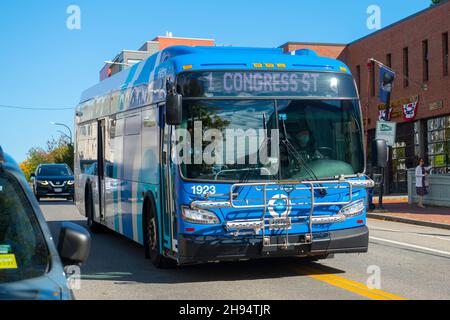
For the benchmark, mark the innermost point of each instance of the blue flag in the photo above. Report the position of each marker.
(387, 77)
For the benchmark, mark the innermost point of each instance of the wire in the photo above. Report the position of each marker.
(33, 108)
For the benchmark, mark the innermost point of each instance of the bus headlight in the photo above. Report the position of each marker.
(199, 216)
(353, 209)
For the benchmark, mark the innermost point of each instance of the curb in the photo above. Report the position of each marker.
(409, 221)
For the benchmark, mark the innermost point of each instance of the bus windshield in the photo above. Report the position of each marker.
(236, 140)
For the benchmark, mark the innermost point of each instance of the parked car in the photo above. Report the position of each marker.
(53, 181)
(31, 267)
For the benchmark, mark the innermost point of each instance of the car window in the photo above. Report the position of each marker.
(23, 251)
(54, 171)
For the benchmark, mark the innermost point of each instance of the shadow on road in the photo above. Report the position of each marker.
(118, 259)
(56, 203)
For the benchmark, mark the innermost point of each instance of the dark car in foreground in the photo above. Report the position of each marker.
(31, 267)
(53, 181)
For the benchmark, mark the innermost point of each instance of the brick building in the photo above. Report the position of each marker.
(332, 50)
(417, 49)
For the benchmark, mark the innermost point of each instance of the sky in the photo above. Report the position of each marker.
(44, 64)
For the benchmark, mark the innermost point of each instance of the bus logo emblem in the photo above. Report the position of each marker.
(279, 206)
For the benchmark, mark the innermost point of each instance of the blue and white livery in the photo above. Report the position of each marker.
(214, 153)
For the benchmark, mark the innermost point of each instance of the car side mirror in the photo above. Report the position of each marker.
(174, 108)
(33, 176)
(380, 153)
(74, 244)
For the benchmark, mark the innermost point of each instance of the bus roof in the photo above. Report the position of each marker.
(215, 58)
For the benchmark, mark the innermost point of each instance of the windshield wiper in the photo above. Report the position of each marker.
(248, 174)
(299, 158)
(292, 151)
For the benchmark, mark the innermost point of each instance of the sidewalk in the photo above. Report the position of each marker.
(398, 209)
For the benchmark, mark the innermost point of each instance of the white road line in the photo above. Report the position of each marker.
(429, 236)
(411, 246)
(412, 233)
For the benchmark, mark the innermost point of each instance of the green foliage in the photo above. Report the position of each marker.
(57, 151)
(436, 1)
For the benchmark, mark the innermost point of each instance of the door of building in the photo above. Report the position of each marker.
(402, 158)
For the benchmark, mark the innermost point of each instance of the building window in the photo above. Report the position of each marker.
(405, 68)
(438, 144)
(372, 79)
(389, 60)
(358, 78)
(445, 53)
(425, 60)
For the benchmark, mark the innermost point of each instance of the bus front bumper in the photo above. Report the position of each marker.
(202, 249)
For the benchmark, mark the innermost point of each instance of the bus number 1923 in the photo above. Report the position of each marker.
(203, 190)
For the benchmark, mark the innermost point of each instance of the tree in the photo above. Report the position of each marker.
(434, 2)
(61, 151)
(57, 151)
(34, 158)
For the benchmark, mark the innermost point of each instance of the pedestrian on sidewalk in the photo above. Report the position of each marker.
(421, 186)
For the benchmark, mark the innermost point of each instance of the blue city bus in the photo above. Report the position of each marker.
(207, 154)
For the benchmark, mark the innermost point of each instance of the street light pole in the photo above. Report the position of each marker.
(63, 125)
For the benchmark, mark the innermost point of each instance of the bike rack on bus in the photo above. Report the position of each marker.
(284, 222)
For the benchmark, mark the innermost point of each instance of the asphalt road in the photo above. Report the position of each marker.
(404, 262)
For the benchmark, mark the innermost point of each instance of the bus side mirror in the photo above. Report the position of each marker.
(380, 153)
(174, 109)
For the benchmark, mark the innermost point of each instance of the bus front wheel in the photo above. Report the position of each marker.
(151, 238)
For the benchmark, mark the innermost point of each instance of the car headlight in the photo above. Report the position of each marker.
(199, 216)
(353, 209)
(43, 182)
(70, 182)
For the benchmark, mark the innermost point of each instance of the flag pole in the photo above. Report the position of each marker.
(382, 65)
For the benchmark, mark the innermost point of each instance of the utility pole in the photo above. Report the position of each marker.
(386, 82)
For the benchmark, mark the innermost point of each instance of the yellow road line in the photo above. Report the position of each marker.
(347, 284)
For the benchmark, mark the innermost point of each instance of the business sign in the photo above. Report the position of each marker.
(386, 131)
(439, 160)
(436, 105)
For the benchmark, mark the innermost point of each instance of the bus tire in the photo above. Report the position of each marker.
(151, 238)
(93, 226)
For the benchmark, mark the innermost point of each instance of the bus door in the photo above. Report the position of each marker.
(167, 207)
(101, 133)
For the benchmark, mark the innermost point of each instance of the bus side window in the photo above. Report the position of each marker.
(87, 149)
(132, 147)
(116, 145)
(150, 149)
